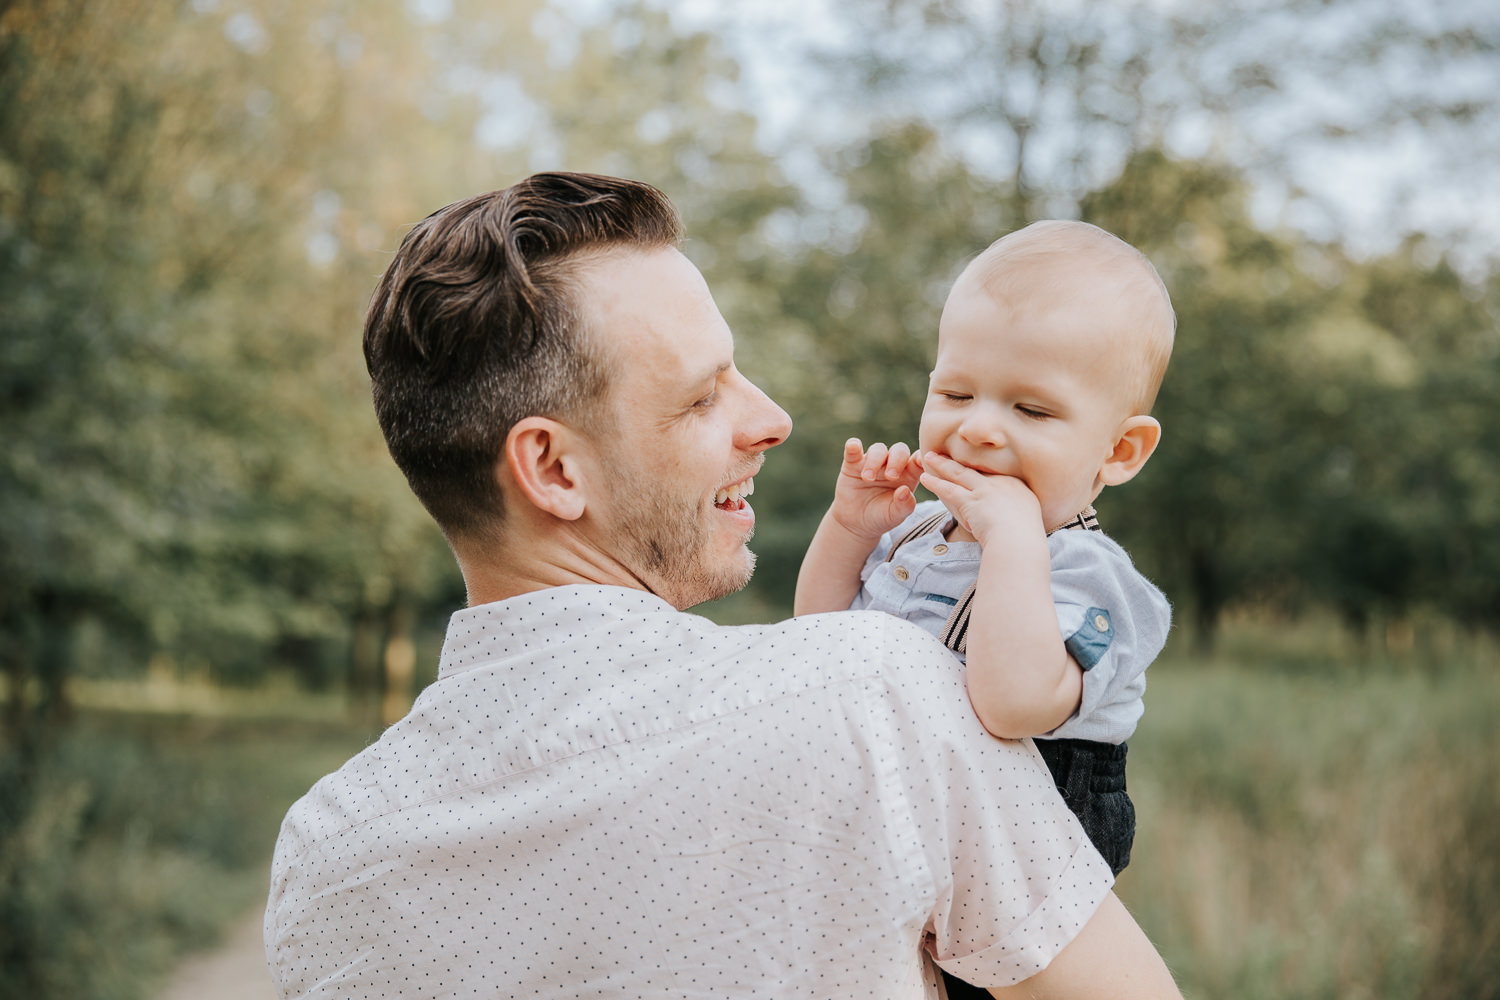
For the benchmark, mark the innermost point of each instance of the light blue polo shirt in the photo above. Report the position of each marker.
(1111, 618)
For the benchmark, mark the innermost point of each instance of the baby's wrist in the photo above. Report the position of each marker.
(853, 532)
(1007, 533)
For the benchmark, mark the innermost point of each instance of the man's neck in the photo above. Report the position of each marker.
(521, 565)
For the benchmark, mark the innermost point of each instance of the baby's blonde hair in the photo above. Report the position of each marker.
(1062, 260)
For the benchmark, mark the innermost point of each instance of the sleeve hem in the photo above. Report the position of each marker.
(1032, 944)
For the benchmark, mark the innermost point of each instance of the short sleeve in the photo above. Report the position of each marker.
(1014, 877)
(1114, 622)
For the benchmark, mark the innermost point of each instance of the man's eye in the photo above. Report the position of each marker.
(707, 401)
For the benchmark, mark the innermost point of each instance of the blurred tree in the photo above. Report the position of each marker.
(1053, 111)
(1305, 459)
(847, 322)
(1329, 431)
(1045, 98)
(1215, 515)
(166, 215)
(1055, 98)
(1424, 438)
(195, 222)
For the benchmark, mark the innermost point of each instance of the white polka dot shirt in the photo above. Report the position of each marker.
(601, 796)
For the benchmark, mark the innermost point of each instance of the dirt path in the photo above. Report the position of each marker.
(236, 970)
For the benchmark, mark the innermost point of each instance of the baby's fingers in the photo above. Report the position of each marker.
(854, 454)
(874, 461)
(897, 461)
(946, 491)
(942, 468)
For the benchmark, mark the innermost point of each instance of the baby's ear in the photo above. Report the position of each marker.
(1136, 439)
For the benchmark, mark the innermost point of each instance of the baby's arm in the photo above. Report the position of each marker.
(1021, 679)
(873, 495)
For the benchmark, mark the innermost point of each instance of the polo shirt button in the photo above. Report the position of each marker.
(901, 573)
(940, 549)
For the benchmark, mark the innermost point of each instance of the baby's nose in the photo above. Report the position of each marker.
(981, 428)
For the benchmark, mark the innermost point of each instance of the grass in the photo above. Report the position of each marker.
(146, 836)
(1313, 824)
(1313, 829)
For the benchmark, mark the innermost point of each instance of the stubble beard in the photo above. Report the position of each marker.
(666, 545)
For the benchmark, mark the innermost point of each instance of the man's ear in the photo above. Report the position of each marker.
(1136, 439)
(541, 459)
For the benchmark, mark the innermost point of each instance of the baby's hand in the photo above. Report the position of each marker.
(982, 503)
(874, 489)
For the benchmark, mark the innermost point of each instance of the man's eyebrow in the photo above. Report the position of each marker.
(691, 388)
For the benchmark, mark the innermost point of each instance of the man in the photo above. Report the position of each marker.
(602, 795)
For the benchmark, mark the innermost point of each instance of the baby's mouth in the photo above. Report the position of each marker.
(733, 497)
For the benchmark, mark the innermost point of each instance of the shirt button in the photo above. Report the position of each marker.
(901, 573)
(941, 550)
(1101, 623)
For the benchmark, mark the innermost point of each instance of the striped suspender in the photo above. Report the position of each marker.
(938, 520)
(956, 630)
(1086, 520)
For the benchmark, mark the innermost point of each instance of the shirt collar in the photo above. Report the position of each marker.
(488, 632)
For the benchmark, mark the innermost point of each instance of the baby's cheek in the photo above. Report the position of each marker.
(929, 435)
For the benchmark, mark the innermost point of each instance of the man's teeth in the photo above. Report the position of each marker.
(735, 493)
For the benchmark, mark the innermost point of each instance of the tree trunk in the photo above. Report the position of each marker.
(363, 682)
(1208, 601)
(399, 661)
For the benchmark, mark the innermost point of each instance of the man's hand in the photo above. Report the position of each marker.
(874, 489)
(983, 504)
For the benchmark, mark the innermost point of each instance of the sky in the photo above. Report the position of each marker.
(1336, 146)
(1333, 149)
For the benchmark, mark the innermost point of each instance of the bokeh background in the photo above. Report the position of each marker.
(214, 585)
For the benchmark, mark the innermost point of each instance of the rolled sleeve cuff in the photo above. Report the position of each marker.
(1031, 945)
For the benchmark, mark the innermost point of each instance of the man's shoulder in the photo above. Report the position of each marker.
(901, 657)
(864, 640)
(630, 677)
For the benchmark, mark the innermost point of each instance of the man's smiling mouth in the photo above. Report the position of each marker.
(733, 497)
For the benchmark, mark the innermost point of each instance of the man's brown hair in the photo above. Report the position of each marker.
(475, 325)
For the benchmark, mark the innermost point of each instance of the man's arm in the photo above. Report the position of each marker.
(1111, 957)
(873, 495)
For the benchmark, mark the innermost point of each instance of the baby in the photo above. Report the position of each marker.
(1051, 348)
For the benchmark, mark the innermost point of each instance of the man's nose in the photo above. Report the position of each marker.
(765, 425)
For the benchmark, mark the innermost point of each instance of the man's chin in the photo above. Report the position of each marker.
(706, 588)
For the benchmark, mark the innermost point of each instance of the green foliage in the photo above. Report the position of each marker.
(846, 341)
(189, 231)
(163, 478)
(195, 200)
(1325, 443)
(1319, 830)
(1325, 418)
(139, 838)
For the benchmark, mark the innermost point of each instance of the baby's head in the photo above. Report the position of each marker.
(1051, 349)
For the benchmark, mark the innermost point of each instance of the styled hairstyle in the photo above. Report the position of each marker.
(1067, 261)
(477, 324)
